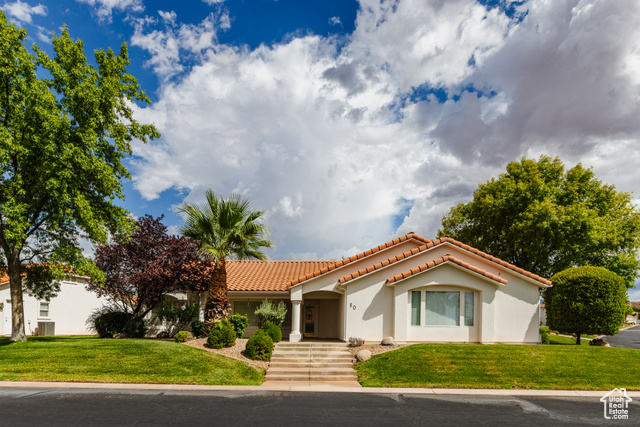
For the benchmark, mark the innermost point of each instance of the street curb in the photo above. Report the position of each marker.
(306, 387)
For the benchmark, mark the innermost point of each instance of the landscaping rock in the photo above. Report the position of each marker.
(363, 355)
(120, 336)
(388, 341)
(599, 342)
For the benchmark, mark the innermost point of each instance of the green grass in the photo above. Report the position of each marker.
(126, 361)
(563, 366)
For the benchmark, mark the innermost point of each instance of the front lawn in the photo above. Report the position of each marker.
(124, 361)
(557, 366)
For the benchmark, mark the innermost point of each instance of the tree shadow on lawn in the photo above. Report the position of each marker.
(7, 340)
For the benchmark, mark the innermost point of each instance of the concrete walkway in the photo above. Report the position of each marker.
(333, 387)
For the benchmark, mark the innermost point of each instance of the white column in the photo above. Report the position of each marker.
(295, 334)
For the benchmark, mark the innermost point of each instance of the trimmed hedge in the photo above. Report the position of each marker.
(272, 330)
(221, 335)
(259, 346)
(110, 323)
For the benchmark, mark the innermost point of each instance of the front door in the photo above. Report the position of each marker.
(311, 321)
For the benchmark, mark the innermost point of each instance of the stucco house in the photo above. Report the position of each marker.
(65, 314)
(411, 288)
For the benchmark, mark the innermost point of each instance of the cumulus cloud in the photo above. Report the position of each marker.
(346, 141)
(103, 9)
(23, 11)
(335, 20)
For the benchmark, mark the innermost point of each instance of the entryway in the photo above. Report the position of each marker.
(321, 315)
(312, 362)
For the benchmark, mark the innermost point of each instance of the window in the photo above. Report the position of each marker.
(44, 309)
(468, 308)
(442, 308)
(415, 307)
(248, 308)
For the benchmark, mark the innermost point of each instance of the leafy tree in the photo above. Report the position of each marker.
(65, 126)
(176, 315)
(586, 300)
(221, 229)
(545, 219)
(142, 269)
(268, 312)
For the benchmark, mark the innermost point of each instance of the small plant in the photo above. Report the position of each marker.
(259, 346)
(544, 336)
(176, 315)
(272, 330)
(355, 342)
(183, 336)
(107, 321)
(268, 312)
(136, 328)
(196, 328)
(239, 323)
(221, 335)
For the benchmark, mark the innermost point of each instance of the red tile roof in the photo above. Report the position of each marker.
(437, 242)
(260, 276)
(359, 256)
(442, 260)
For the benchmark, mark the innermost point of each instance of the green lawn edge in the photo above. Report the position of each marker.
(92, 359)
(564, 366)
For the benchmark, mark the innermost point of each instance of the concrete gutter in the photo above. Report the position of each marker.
(335, 387)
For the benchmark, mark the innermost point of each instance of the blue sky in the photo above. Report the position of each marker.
(353, 122)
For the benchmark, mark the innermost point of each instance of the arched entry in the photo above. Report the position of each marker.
(321, 315)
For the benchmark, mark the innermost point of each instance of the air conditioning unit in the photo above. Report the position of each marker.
(46, 329)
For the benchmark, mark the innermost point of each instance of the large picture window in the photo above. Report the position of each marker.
(442, 308)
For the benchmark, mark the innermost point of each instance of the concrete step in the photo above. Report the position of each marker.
(307, 377)
(333, 354)
(311, 371)
(307, 364)
(309, 345)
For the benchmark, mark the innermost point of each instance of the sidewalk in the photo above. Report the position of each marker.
(335, 387)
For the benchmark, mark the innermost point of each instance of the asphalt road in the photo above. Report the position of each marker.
(626, 338)
(88, 407)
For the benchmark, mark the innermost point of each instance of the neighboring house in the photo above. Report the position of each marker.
(65, 314)
(410, 288)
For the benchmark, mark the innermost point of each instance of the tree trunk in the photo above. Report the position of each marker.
(577, 339)
(17, 304)
(217, 306)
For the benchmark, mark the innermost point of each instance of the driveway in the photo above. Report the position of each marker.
(626, 338)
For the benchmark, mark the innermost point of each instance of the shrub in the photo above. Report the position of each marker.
(183, 336)
(109, 322)
(544, 336)
(221, 335)
(196, 328)
(239, 323)
(136, 328)
(259, 346)
(586, 300)
(272, 330)
(268, 312)
(176, 315)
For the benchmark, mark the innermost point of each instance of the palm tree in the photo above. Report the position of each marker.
(221, 229)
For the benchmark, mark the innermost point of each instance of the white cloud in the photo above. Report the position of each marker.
(331, 141)
(172, 45)
(335, 20)
(103, 9)
(23, 11)
(212, 2)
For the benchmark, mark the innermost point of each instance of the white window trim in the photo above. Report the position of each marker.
(423, 307)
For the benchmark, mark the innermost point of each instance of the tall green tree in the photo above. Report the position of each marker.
(546, 219)
(65, 126)
(586, 300)
(221, 229)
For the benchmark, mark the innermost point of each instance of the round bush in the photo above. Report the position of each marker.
(135, 328)
(586, 300)
(110, 323)
(239, 324)
(259, 346)
(221, 335)
(272, 330)
(183, 336)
